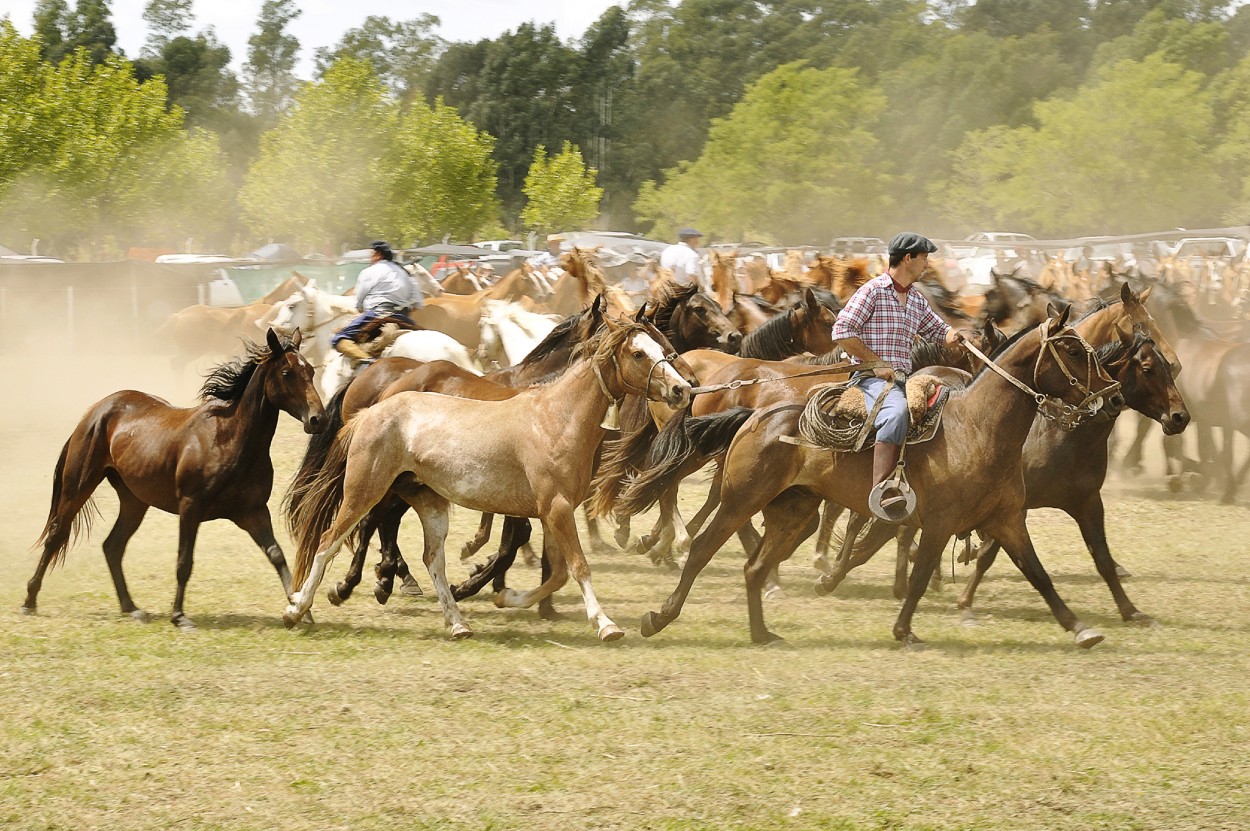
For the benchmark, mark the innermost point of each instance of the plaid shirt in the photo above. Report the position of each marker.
(874, 315)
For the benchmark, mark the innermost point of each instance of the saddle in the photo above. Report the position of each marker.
(378, 334)
(836, 416)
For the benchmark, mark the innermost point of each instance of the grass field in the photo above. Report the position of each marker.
(373, 718)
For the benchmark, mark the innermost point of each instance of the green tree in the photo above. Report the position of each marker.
(439, 177)
(92, 29)
(794, 161)
(113, 163)
(402, 54)
(27, 117)
(319, 179)
(1132, 149)
(166, 19)
(268, 74)
(52, 26)
(560, 191)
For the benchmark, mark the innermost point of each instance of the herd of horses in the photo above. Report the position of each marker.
(537, 396)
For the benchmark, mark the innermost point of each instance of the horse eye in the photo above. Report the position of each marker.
(286, 373)
(638, 353)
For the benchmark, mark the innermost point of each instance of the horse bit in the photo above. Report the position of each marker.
(1067, 416)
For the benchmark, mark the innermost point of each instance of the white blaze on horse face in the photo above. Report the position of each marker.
(672, 386)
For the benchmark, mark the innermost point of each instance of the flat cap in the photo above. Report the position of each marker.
(911, 243)
(686, 233)
(556, 238)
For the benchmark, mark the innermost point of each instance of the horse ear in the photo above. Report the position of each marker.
(1126, 294)
(1141, 298)
(809, 298)
(1061, 319)
(641, 315)
(297, 338)
(275, 342)
(599, 305)
(1054, 309)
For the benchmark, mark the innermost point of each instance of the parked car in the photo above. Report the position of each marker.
(500, 244)
(999, 237)
(1226, 248)
(857, 246)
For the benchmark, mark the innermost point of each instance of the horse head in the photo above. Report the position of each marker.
(1146, 380)
(630, 359)
(289, 382)
(812, 323)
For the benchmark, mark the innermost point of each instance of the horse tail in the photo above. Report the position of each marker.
(80, 520)
(318, 503)
(314, 457)
(681, 441)
(622, 457)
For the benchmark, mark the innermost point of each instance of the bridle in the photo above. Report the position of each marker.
(616, 367)
(1067, 416)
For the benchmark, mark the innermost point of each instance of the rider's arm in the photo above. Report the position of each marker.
(849, 325)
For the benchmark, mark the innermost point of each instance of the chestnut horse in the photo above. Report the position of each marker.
(968, 476)
(201, 463)
(530, 455)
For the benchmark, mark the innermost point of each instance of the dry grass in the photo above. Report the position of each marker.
(374, 719)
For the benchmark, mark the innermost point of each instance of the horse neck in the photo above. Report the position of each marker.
(581, 405)
(252, 420)
(997, 407)
(516, 343)
(772, 341)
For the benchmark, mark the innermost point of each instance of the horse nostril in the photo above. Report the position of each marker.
(1117, 401)
(1180, 418)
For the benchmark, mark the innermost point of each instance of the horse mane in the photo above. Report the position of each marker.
(667, 298)
(228, 380)
(555, 338)
(1007, 344)
(771, 341)
(1186, 318)
(943, 297)
(926, 353)
(606, 340)
(849, 275)
(1118, 349)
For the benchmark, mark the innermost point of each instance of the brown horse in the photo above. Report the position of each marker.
(202, 463)
(969, 476)
(530, 455)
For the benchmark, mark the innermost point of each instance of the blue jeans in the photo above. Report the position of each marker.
(893, 420)
(352, 329)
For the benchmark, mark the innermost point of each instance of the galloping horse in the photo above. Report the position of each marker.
(968, 476)
(201, 463)
(525, 456)
(509, 332)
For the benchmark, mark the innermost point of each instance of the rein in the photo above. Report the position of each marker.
(1067, 416)
(824, 370)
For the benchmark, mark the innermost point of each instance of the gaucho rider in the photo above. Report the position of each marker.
(878, 324)
(383, 289)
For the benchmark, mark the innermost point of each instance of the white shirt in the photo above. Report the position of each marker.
(683, 261)
(385, 287)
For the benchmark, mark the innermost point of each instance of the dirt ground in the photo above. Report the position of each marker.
(373, 718)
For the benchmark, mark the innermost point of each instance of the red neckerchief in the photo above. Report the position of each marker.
(897, 287)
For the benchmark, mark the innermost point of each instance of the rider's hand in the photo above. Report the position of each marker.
(954, 336)
(885, 373)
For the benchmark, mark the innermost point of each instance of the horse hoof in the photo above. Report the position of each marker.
(1088, 638)
(411, 588)
(915, 645)
(548, 612)
(334, 597)
(769, 639)
(28, 610)
(610, 633)
(183, 623)
(825, 586)
(1175, 484)
(822, 565)
(968, 618)
(650, 624)
(1141, 619)
(774, 593)
(467, 552)
(621, 537)
(290, 618)
(1122, 572)
(459, 632)
(381, 595)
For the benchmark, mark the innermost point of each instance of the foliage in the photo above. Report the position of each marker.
(439, 178)
(110, 161)
(268, 75)
(402, 54)
(166, 19)
(87, 26)
(793, 162)
(1131, 150)
(319, 174)
(560, 191)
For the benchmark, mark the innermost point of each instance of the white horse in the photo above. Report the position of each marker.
(510, 332)
(318, 315)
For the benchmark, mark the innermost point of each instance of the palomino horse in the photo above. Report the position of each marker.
(211, 330)
(509, 332)
(529, 456)
(393, 375)
(201, 463)
(968, 476)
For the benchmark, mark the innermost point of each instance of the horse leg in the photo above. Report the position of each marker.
(931, 544)
(546, 608)
(1231, 479)
(434, 512)
(593, 536)
(1090, 519)
(470, 549)
(829, 514)
(660, 550)
(1132, 460)
(188, 528)
(986, 554)
(623, 530)
(129, 518)
(554, 575)
(788, 520)
(389, 517)
(854, 552)
(730, 516)
(1012, 532)
(709, 505)
(561, 530)
(259, 526)
(515, 533)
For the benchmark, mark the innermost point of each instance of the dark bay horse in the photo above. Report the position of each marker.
(530, 455)
(968, 477)
(201, 463)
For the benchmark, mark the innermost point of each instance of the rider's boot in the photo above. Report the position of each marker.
(884, 460)
(355, 353)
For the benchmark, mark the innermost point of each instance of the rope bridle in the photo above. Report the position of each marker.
(1067, 416)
